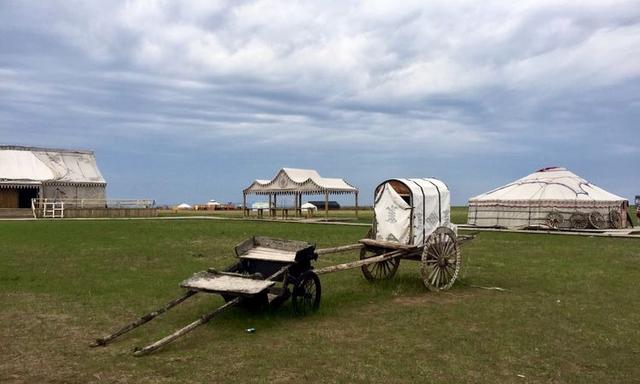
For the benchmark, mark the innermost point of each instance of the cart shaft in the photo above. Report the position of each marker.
(142, 320)
(360, 263)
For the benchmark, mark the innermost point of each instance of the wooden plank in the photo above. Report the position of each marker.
(387, 244)
(215, 283)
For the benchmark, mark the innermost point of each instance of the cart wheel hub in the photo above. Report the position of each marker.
(442, 262)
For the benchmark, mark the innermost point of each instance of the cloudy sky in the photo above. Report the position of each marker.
(192, 100)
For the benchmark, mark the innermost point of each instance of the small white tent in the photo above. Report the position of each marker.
(407, 211)
(550, 197)
(183, 206)
(308, 207)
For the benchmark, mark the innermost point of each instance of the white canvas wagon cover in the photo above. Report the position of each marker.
(407, 211)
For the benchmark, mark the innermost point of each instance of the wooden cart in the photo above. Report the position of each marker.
(268, 272)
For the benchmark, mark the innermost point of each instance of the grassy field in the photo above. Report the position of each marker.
(569, 315)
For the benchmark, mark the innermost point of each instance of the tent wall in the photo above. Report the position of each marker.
(528, 214)
(79, 192)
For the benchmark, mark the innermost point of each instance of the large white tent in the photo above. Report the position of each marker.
(29, 172)
(550, 197)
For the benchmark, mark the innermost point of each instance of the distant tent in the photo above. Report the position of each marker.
(551, 197)
(213, 203)
(183, 206)
(308, 206)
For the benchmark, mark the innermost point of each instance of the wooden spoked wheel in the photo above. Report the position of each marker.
(597, 221)
(441, 260)
(378, 271)
(615, 218)
(306, 294)
(579, 221)
(554, 220)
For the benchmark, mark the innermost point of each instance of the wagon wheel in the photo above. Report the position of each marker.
(306, 294)
(596, 219)
(554, 220)
(441, 260)
(378, 271)
(579, 220)
(615, 218)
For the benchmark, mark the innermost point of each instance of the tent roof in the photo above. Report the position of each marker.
(293, 180)
(30, 164)
(548, 184)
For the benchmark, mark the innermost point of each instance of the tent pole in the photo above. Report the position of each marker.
(356, 204)
(326, 205)
(275, 203)
(244, 204)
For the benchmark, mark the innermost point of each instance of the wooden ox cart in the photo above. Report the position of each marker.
(411, 222)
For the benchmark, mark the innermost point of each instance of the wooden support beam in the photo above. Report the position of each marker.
(245, 212)
(387, 244)
(356, 204)
(326, 205)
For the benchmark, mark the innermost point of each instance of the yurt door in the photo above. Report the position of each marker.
(393, 216)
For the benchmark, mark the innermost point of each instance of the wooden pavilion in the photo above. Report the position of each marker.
(298, 182)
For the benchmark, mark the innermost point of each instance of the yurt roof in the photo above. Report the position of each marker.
(548, 184)
(30, 164)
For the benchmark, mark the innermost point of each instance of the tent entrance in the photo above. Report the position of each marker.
(25, 195)
(17, 197)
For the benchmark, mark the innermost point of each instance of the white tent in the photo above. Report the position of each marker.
(183, 206)
(213, 203)
(308, 207)
(550, 197)
(409, 210)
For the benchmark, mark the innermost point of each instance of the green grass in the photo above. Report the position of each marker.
(569, 315)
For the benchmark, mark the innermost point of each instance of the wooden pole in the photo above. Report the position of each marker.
(342, 248)
(144, 319)
(202, 320)
(244, 205)
(356, 204)
(326, 205)
(360, 263)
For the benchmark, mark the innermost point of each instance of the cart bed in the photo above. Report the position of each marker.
(215, 283)
(269, 254)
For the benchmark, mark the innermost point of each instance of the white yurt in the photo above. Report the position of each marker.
(550, 197)
(183, 206)
(407, 211)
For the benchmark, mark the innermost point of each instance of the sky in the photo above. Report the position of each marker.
(186, 101)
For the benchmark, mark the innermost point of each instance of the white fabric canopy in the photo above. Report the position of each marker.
(53, 165)
(292, 180)
(411, 222)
